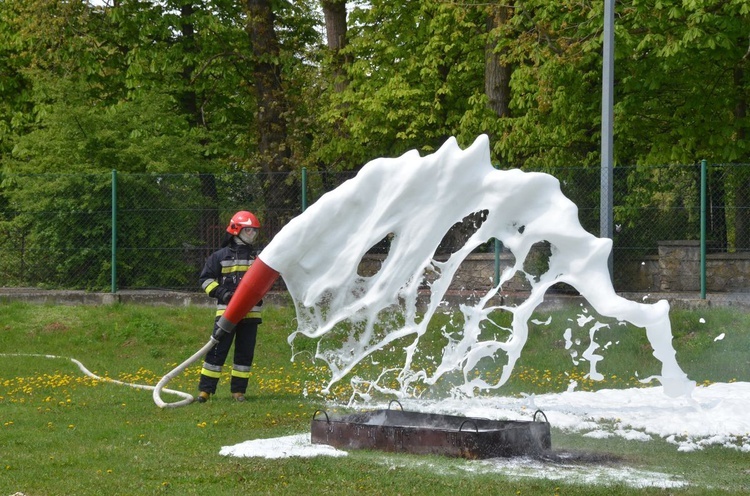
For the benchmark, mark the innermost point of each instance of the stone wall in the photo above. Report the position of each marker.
(676, 269)
(673, 275)
(477, 272)
(679, 267)
(728, 272)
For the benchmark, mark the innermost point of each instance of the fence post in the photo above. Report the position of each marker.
(703, 229)
(304, 188)
(114, 232)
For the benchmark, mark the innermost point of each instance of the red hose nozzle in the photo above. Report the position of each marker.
(254, 285)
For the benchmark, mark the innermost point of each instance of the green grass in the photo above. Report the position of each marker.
(62, 433)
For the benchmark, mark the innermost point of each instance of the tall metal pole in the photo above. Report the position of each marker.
(113, 277)
(608, 75)
(704, 211)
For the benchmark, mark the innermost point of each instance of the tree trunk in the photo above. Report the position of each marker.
(209, 217)
(280, 195)
(188, 98)
(335, 20)
(496, 74)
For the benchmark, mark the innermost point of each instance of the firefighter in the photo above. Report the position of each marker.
(219, 279)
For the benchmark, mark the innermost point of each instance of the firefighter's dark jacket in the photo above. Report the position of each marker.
(222, 273)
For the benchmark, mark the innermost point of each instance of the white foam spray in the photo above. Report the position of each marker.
(414, 201)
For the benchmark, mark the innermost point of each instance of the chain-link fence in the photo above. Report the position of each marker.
(116, 231)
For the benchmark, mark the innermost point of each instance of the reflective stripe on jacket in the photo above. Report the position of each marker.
(225, 268)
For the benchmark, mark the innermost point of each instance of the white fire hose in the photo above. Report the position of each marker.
(186, 397)
(176, 371)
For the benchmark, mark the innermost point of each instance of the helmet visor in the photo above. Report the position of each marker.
(248, 235)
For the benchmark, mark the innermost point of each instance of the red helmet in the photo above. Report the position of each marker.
(241, 220)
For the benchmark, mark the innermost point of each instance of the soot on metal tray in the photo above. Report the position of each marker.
(426, 433)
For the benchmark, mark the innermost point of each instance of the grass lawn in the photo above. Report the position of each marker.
(63, 433)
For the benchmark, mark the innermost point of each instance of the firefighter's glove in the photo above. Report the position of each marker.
(223, 295)
(218, 333)
(222, 328)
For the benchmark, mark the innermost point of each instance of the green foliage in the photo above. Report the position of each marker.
(660, 202)
(62, 222)
(415, 75)
(555, 52)
(64, 219)
(168, 87)
(414, 66)
(680, 77)
(162, 247)
(15, 111)
(131, 136)
(63, 226)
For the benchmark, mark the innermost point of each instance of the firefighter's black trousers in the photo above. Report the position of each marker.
(243, 336)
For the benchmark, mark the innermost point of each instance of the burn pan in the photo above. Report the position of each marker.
(400, 431)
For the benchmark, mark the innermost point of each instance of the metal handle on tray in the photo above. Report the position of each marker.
(324, 413)
(543, 415)
(465, 421)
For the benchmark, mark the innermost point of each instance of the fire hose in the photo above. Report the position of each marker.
(157, 390)
(253, 286)
(187, 398)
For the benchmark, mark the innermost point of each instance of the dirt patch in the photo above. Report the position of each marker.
(54, 327)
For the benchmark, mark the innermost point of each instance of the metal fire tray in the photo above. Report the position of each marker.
(426, 433)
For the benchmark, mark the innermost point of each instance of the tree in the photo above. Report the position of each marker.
(272, 114)
(334, 12)
(15, 108)
(497, 74)
(412, 71)
(273, 151)
(683, 95)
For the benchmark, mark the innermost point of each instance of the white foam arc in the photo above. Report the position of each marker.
(416, 200)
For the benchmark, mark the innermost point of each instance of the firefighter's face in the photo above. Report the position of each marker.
(248, 234)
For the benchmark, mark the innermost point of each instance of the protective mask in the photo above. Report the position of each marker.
(248, 235)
